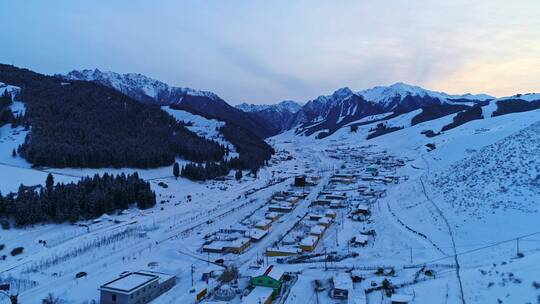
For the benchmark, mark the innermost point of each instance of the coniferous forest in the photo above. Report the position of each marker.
(253, 154)
(89, 198)
(6, 116)
(83, 124)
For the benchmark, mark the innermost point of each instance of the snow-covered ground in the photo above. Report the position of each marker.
(447, 232)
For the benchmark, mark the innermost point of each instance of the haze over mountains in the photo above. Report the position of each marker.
(326, 112)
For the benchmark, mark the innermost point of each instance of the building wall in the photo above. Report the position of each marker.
(106, 297)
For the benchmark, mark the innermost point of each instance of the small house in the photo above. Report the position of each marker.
(360, 240)
(314, 216)
(335, 204)
(361, 209)
(293, 200)
(324, 221)
(321, 202)
(214, 247)
(263, 224)
(283, 208)
(300, 181)
(237, 246)
(342, 285)
(317, 231)
(309, 243)
(273, 216)
(271, 277)
(331, 214)
(256, 235)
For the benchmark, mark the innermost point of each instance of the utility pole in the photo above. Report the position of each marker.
(191, 275)
(411, 255)
(325, 259)
(517, 246)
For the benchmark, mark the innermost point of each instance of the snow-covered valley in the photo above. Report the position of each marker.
(468, 199)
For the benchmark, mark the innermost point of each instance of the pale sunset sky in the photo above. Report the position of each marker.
(267, 51)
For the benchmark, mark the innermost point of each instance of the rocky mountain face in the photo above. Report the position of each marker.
(278, 116)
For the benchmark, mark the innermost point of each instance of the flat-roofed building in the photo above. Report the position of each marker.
(136, 287)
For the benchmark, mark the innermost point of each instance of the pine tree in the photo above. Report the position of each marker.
(49, 183)
(238, 175)
(5, 99)
(14, 153)
(176, 170)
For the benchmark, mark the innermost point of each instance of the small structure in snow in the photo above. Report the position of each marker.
(360, 240)
(300, 181)
(342, 285)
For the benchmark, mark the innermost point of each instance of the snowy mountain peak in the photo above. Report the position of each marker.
(284, 106)
(343, 93)
(400, 90)
(134, 82)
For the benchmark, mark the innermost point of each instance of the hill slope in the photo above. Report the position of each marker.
(83, 124)
(148, 90)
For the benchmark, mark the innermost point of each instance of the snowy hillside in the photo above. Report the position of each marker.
(207, 128)
(387, 95)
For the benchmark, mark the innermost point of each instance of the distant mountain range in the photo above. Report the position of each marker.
(344, 106)
(326, 113)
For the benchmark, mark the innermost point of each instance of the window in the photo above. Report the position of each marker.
(114, 298)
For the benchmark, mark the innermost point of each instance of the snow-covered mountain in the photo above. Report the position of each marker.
(139, 86)
(344, 105)
(392, 96)
(278, 115)
(284, 106)
(149, 90)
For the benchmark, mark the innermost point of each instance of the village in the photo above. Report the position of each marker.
(314, 234)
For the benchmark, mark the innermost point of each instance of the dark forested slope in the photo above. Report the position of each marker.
(84, 124)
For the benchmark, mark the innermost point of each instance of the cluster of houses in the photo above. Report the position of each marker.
(312, 228)
(240, 236)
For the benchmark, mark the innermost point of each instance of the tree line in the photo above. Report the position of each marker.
(89, 198)
(253, 154)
